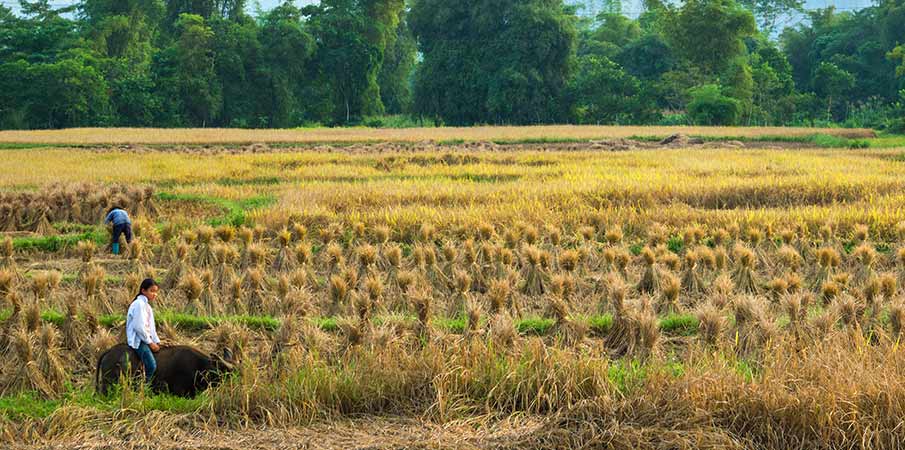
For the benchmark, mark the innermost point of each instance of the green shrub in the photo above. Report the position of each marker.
(709, 106)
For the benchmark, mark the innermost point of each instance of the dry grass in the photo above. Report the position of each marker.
(85, 136)
(475, 288)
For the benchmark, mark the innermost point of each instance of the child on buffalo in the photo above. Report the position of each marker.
(141, 333)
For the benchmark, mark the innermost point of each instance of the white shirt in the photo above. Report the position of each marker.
(140, 323)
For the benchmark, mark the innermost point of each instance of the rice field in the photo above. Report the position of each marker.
(575, 290)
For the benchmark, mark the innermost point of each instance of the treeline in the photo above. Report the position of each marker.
(203, 63)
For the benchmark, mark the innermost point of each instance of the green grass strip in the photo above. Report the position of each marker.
(56, 243)
(674, 325)
(184, 321)
(192, 322)
(235, 209)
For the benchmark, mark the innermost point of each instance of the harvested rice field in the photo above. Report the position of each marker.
(523, 288)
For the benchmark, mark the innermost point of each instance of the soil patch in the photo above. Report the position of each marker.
(676, 141)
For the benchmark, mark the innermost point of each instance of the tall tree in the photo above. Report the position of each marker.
(769, 12)
(351, 39)
(832, 84)
(710, 33)
(493, 61)
(287, 48)
(197, 82)
(67, 93)
(602, 93)
(238, 64)
(898, 56)
(395, 78)
(123, 28)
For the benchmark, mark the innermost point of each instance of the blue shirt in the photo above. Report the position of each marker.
(118, 217)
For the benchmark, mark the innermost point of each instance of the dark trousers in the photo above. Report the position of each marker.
(148, 360)
(123, 228)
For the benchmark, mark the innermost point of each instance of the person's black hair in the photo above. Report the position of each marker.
(148, 283)
(113, 208)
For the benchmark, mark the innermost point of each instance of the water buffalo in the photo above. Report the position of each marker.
(181, 370)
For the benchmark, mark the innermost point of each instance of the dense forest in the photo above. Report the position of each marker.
(212, 63)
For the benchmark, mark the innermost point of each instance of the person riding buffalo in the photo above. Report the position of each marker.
(141, 331)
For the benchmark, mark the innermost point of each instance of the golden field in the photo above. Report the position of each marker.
(458, 187)
(545, 295)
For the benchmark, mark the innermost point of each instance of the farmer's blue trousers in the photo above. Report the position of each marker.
(147, 358)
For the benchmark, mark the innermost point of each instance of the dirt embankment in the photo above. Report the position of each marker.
(677, 141)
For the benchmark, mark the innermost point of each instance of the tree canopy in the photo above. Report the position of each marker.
(201, 63)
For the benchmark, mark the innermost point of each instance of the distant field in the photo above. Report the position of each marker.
(93, 136)
(454, 186)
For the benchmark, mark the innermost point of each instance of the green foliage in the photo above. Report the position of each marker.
(395, 78)
(234, 210)
(710, 107)
(505, 63)
(198, 88)
(844, 56)
(648, 57)
(769, 12)
(60, 242)
(353, 36)
(832, 83)
(26, 405)
(827, 141)
(627, 375)
(286, 48)
(679, 325)
(393, 121)
(534, 326)
(386, 63)
(710, 33)
(602, 93)
(898, 56)
(675, 244)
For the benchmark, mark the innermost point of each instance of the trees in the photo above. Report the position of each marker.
(352, 36)
(603, 93)
(67, 93)
(197, 83)
(898, 55)
(122, 33)
(41, 35)
(710, 33)
(500, 62)
(395, 78)
(238, 64)
(709, 106)
(856, 43)
(209, 63)
(773, 88)
(648, 57)
(47, 79)
(832, 84)
(286, 50)
(123, 28)
(768, 12)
